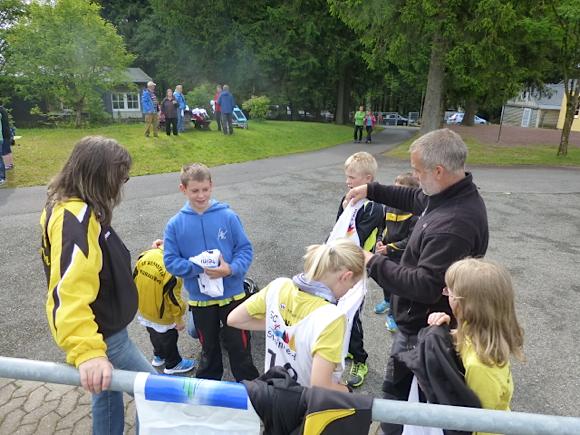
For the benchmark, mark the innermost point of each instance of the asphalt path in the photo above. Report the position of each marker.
(287, 203)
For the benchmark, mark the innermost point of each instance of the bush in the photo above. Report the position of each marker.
(200, 96)
(257, 107)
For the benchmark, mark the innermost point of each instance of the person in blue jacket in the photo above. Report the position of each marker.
(227, 104)
(202, 226)
(149, 106)
(178, 95)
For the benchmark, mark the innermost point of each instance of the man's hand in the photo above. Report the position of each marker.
(380, 248)
(157, 243)
(438, 319)
(356, 194)
(221, 271)
(96, 374)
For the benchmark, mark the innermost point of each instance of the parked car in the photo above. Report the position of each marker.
(457, 118)
(393, 118)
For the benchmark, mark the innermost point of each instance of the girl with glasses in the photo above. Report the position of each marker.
(481, 296)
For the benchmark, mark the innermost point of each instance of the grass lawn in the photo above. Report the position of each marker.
(40, 153)
(505, 155)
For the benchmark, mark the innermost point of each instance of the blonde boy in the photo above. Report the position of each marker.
(361, 168)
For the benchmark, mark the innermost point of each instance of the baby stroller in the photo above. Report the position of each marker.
(239, 119)
(200, 119)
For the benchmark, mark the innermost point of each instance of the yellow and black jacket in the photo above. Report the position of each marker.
(285, 407)
(398, 227)
(91, 293)
(160, 298)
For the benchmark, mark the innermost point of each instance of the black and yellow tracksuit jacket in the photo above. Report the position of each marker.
(398, 227)
(160, 298)
(91, 293)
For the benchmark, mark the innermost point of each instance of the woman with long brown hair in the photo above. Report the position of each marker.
(91, 294)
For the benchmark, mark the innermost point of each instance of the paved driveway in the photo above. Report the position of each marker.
(289, 202)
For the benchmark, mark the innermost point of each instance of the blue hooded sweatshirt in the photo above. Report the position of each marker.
(189, 233)
(226, 101)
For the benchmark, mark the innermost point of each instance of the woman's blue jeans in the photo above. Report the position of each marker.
(108, 409)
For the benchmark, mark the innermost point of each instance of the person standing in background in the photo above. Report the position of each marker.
(227, 103)
(169, 108)
(359, 118)
(178, 95)
(217, 108)
(149, 107)
(5, 144)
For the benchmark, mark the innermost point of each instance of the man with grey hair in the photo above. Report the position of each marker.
(227, 104)
(149, 106)
(452, 225)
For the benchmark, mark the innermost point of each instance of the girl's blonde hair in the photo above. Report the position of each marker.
(485, 311)
(333, 257)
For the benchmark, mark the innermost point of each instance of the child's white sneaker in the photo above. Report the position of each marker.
(157, 361)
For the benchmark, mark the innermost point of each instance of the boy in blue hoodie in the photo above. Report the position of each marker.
(208, 232)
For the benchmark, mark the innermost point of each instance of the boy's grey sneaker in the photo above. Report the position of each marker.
(157, 361)
(184, 366)
(2, 183)
(358, 371)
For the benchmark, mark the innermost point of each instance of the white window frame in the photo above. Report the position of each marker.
(526, 117)
(125, 102)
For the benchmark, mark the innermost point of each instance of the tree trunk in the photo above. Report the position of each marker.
(343, 97)
(339, 118)
(432, 108)
(572, 97)
(470, 109)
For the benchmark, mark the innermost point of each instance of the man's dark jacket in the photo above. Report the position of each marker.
(439, 371)
(452, 225)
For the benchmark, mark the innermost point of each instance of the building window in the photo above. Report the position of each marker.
(125, 101)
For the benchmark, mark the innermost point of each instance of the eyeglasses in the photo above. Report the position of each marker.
(449, 293)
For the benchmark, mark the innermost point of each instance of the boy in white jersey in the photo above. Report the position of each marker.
(304, 328)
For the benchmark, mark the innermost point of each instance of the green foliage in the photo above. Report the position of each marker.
(42, 152)
(481, 153)
(63, 52)
(201, 95)
(257, 106)
(293, 51)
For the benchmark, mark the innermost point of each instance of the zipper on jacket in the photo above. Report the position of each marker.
(203, 232)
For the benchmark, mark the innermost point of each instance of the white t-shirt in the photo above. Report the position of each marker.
(283, 341)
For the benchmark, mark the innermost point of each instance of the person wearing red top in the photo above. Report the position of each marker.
(369, 123)
(217, 108)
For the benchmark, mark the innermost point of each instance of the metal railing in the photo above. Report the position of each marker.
(388, 411)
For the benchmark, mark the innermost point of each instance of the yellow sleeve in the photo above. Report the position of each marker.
(177, 311)
(73, 280)
(330, 341)
(256, 304)
(486, 386)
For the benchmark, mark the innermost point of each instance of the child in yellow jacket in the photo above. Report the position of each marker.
(161, 310)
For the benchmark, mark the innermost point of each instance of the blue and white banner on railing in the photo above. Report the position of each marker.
(182, 405)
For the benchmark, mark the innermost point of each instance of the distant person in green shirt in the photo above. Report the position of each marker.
(359, 118)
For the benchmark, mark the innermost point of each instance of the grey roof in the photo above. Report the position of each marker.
(551, 97)
(548, 98)
(137, 75)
